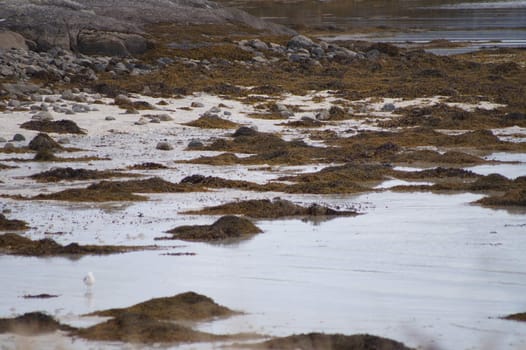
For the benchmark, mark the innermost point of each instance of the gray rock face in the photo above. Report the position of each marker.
(77, 25)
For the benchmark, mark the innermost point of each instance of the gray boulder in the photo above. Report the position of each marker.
(300, 42)
(11, 40)
(164, 146)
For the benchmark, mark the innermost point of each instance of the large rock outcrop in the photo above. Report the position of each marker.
(111, 27)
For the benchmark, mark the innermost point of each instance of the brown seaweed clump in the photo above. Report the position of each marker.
(14, 244)
(266, 208)
(189, 306)
(226, 227)
(31, 323)
(147, 166)
(141, 328)
(516, 317)
(152, 321)
(321, 341)
(5, 166)
(512, 198)
(151, 185)
(433, 157)
(212, 122)
(64, 126)
(12, 225)
(107, 191)
(90, 195)
(70, 174)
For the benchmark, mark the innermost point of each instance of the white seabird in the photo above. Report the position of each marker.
(89, 279)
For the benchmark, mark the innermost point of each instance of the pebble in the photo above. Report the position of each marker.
(164, 146)
(19, 137)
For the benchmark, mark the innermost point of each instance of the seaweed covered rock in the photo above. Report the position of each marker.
(212, 122)
(71, 174)
(141, 328)
(229, 226)
(151, 185)
(12, 225)
(43, 142)
(512, 198)
(14, 244)
(521, 317)
(265, 208)
(31, 323)
(317, 341)
(189, 306)
(64, 126)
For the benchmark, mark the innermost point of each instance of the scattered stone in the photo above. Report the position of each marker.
(109, 118)
(19, 137)
(11, 40)
(164, 146)
(197, 105)
(9, 147)
(300, 42)
(245, 131)
(141, 121)
(388, 107)
(43, 142)
(195, 144)
(43, 116)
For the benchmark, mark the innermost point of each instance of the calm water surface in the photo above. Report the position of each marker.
(484, 23)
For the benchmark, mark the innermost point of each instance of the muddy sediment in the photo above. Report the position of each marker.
(12, 225)
(321, 341)
(273, 209)
(224, 228)
(14, 244)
